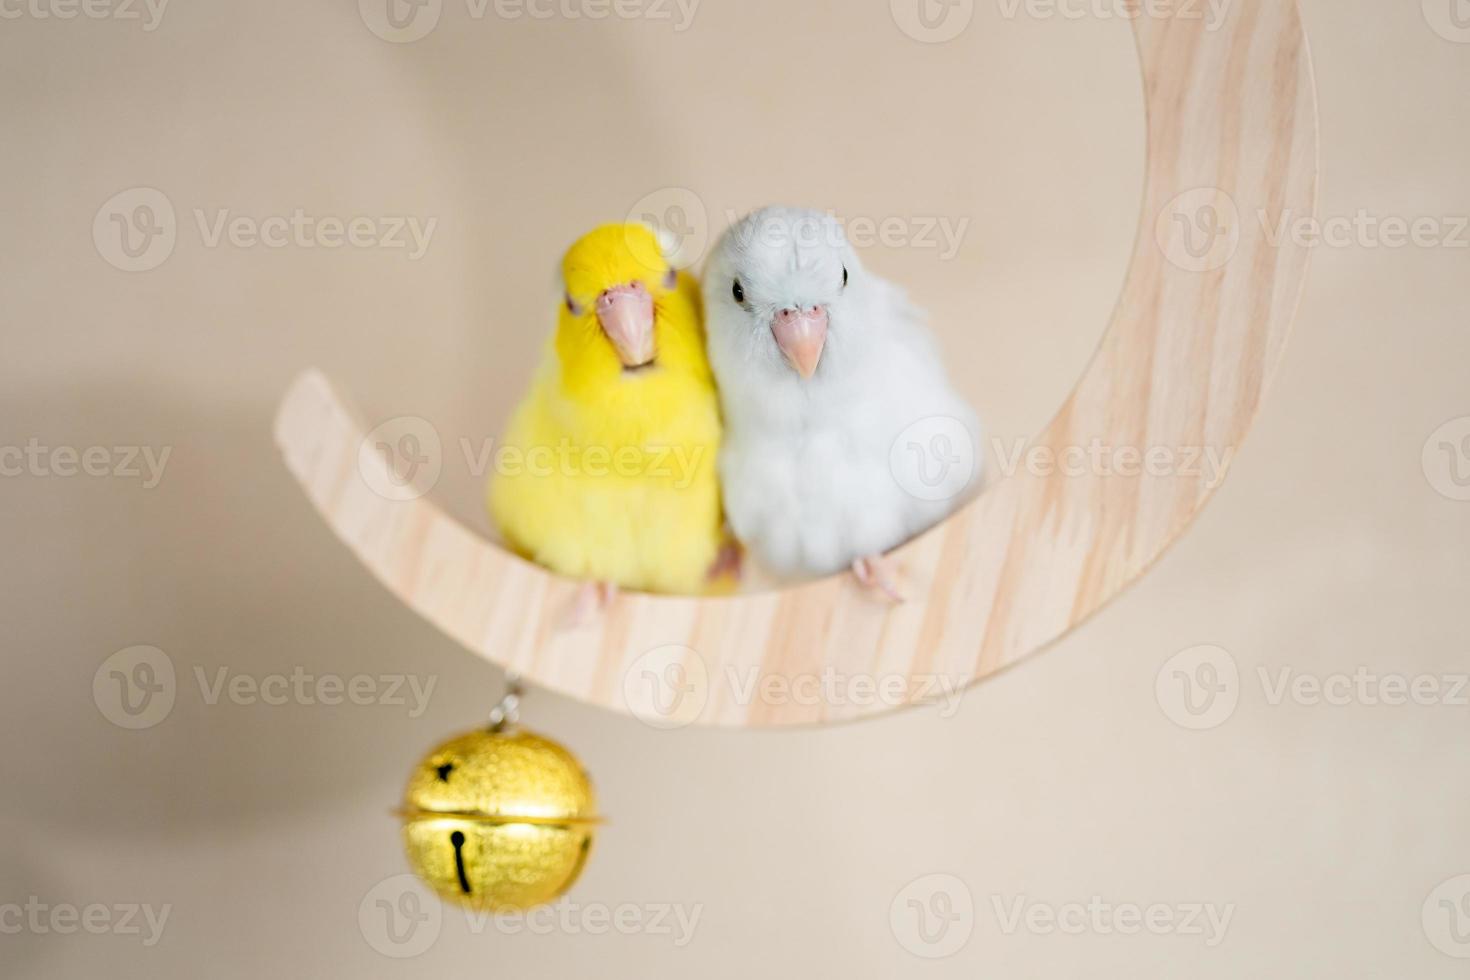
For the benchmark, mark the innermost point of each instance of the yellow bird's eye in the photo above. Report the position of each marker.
(573, 307)
(671, 278)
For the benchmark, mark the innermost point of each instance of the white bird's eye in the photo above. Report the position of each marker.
(844, 277)
(739, 292)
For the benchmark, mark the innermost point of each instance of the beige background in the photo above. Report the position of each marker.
(1324, 829)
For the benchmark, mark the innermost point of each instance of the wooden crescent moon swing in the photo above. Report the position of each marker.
(1232, 138)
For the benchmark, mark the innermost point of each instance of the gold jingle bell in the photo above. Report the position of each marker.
(499, 819)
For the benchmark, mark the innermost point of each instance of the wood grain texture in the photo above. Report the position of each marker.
(1199, 329)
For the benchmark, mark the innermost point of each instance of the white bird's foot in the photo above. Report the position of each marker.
(593, 599)
(880, 574)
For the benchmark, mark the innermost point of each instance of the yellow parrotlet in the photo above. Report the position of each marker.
(609, 472)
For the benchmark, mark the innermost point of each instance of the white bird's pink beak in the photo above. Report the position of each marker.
(626, 316)
(801, 335)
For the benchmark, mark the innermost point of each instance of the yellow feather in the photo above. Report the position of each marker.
(608, 475)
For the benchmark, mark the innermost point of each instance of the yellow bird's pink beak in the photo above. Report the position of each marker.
(626, 315)
(801, 335)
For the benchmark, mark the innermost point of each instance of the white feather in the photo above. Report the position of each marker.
(811, 478)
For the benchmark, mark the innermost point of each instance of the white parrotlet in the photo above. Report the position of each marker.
(843, 435)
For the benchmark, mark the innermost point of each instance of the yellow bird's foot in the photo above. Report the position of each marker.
(591, 602)
(879, 574)
(728, 563)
